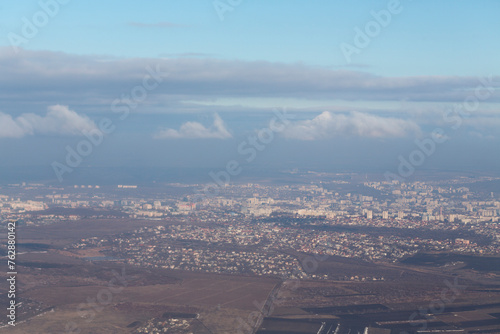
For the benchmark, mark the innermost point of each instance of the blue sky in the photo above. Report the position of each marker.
(435, 37)
(221, 80)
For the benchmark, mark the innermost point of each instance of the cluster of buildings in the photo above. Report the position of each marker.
(10, 205)
(164, 248)
(262, 247)
(155, 326)
(260, 229)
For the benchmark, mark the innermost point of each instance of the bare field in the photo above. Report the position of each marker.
(68, 290)
(192, 292)
(71, 288)
(114, 320)
(441, 299)
(61, 233)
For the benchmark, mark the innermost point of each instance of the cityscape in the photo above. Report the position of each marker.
(284, 233)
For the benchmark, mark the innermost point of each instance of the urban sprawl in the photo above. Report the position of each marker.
(258, 229)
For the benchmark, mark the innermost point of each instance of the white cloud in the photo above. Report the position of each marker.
(59, 120)
(9, 128)
(327, 125)
(195, 130)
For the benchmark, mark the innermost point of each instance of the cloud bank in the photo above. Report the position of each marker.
(59, 120)
(195, 130)
(355, 124)
(32, 80)
(59, 76)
